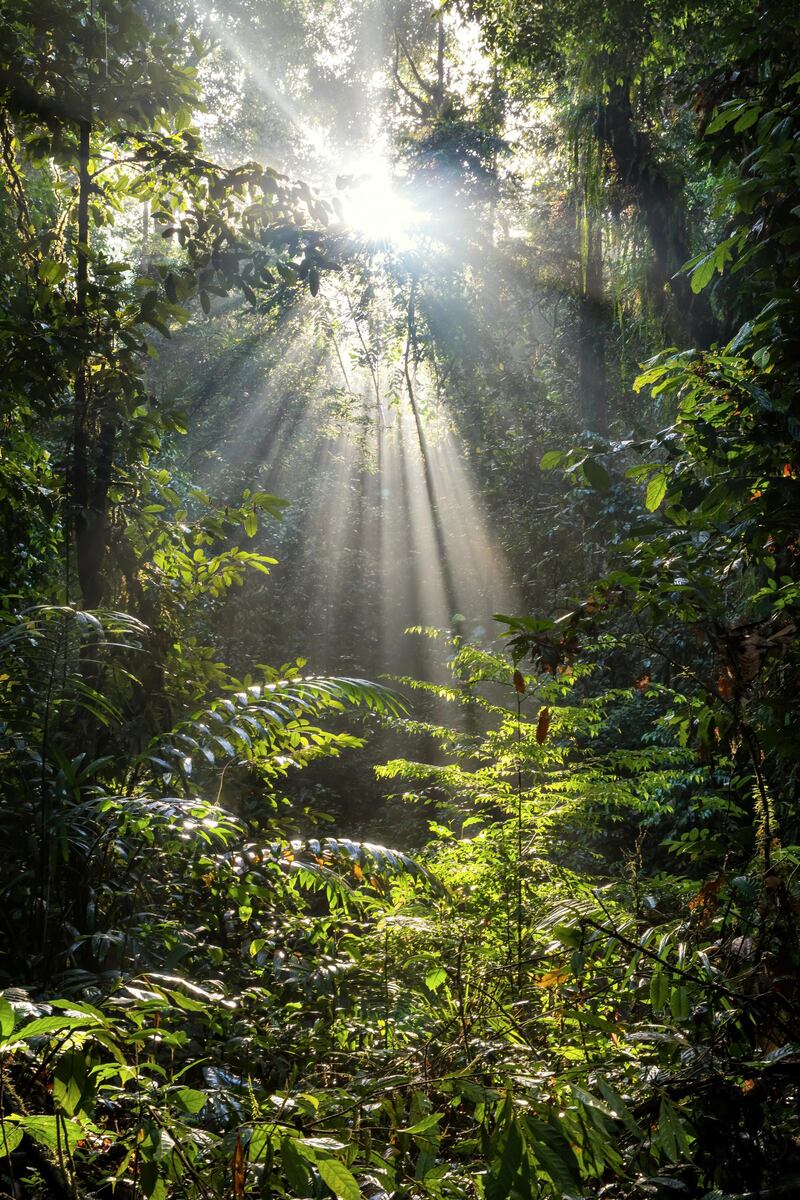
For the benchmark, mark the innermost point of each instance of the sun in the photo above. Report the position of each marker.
(378, 207)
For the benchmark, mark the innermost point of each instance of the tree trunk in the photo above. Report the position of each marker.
(440, 48)
(660, 201)
(79, 473)
(92, 454)
(591, 330)
(144, 254)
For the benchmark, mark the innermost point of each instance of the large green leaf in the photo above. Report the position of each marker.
(656, 491)
(7, 1018)
(72, 1085)
(341, 1182)
(553, 1153)
(53, 1132)
(499, 1184)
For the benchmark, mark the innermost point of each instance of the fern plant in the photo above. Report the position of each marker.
(577, 962)
(83, 818)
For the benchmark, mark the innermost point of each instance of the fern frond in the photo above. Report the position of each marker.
(271, 725)
(324, 858)
(42, 626)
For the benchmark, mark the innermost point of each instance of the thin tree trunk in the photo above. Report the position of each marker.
(145, 245)
(79, 480)
(440, 48)
(591, 331)
(92, 454)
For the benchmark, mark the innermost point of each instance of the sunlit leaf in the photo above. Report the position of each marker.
(341, 1182)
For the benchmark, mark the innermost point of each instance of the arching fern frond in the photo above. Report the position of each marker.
(321, 860)
(42, 625)
(272, 725)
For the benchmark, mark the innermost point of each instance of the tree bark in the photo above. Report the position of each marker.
(591, 332)
(660, 201)
(79, 472)
(92, 456)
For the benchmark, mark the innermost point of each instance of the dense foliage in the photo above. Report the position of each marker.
(579, 975)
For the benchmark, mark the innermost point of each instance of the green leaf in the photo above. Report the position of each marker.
(679, 1003)
(341, 1182)
(724, 115)
(259, 1144)
(554, 1154)
(52, 272)
(188, 1003)
(424, 1125)
(7, 1018)
(671, 1136)
(596, 475)
(553, 458)
(618, 1107)
(748, 118)
(52, 1131)
(590, 1101)
(703, 273)
(659, 990)
(312, 1148)
(435, 978)
(653, 375)
(43, 1025)
(500, 1184)
(703, 267)
(294, 1166)
(191, 1099)
(72, 1088)
(10, 1137)
(656, 491)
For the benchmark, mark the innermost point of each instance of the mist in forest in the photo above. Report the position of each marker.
(386, 526)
